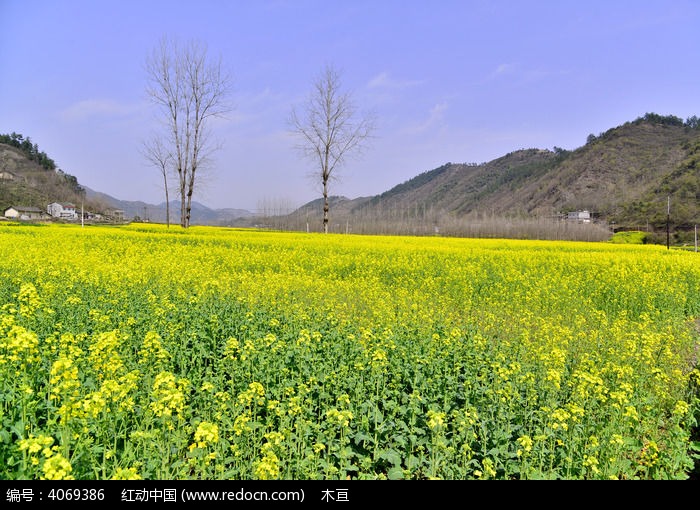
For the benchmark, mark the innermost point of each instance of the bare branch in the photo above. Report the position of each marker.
(329, 129)
(158, 155)
(189, 90)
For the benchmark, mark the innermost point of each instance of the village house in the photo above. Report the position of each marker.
(581, 216)
(116, 215)
(24, 213)
(64, 211)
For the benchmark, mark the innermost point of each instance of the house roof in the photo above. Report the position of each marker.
(20, 208)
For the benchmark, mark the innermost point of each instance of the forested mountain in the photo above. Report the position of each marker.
(625, 177)
(30, 178)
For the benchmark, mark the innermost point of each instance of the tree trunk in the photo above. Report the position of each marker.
(183, 223)
(328, 129)
(167, 202)
(189, 90)
(325, 207)
(190, 192)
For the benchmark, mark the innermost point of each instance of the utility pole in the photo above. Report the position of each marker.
(668, 221)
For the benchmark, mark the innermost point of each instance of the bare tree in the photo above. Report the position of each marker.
(190, 90)
(329, 129)
(155, 152)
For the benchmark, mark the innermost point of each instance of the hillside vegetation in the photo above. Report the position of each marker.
(625, 177)
(30, 178)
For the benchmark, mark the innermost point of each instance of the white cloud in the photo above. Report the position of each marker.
(384, 80)
(436, 117)
(83, 110)
(437, 113)
(505, 69)
(380, 80)
(520, 74)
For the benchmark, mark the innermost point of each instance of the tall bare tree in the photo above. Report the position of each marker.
(330, 129)
(190, 90)
(158, 155)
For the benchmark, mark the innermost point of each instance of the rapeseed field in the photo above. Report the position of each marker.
(145, 352)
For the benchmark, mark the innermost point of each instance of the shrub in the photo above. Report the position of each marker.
(630, 237)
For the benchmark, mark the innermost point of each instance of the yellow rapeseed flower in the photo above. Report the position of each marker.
(126, 474)
(57, 467)
(436, 420)
(205, 435)
(28, 299)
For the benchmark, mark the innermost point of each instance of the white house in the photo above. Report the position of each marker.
(24, 213)
(583, 216)
(65, 211)
(115, 215)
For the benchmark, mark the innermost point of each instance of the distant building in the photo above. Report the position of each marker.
(582, 216)
(115, 215)
(64, 211)
(24, 213)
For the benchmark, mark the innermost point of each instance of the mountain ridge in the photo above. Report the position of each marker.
(144, 211)
(624, 177)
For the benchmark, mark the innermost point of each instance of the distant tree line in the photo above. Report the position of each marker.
(422, 220)
(669, 120)
(31, 150)
(692, 122)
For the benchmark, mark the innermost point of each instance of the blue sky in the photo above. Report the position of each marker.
(449, 81)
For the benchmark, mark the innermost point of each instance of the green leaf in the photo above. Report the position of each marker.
(400, 440)
(5, 436)
(391, 456)
(361, 437)
(395, 473)
(412, 462)
(18, 428)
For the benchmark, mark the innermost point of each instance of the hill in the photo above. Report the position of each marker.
(624, 177)
(28, 182)
(143, 211)
(29, 178)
